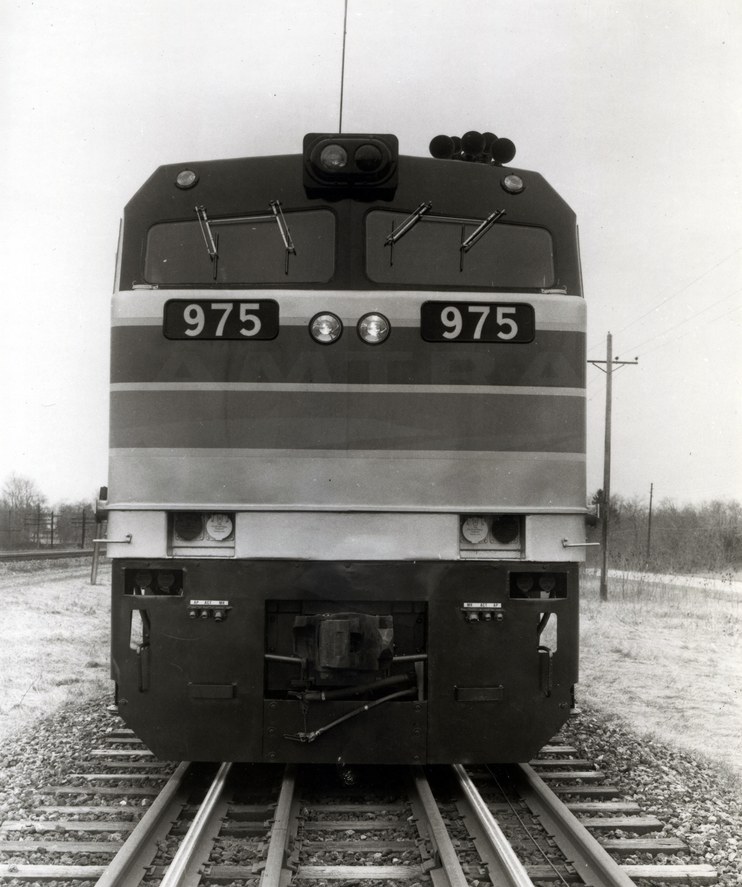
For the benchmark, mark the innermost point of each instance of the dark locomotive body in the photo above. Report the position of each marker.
(361, 549)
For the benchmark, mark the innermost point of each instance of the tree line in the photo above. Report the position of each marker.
(27, 521)
(671, 538)
(706, 537)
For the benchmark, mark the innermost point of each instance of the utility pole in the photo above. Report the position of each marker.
(649, 523)
(610, 362)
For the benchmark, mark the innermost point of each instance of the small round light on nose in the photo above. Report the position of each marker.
(374, 328)
(325, 328)
(513, 184)
(219, 526)
(524, 582)
(188, 526)
(547, 582)
(143, 579)
(333, 157)
(475, 530)
(165, 580)
(186, 178)
(505, 528)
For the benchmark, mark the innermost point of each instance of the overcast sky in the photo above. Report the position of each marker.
(631, 109)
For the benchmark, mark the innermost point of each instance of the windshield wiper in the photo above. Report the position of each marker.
(206, 232)
(477, 235)
(209, 241)
(283, 227)
(408, 224)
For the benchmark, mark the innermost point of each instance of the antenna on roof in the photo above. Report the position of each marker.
(342, 68)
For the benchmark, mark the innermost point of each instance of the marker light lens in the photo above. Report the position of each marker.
(547, 582)
(186, 178)
(165, 580)
(513, 184)
(474, 530)
(374, 328)
(143, 578)
(325, 328)
(188, 525)
(505, 528)
(524, 582)
(219, 526)
(334, 157)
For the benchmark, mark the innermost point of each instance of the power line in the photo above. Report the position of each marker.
(681, 290)
(693, 317)
(688, 320)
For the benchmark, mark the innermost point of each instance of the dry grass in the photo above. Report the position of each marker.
(669, 659)
(55, 628)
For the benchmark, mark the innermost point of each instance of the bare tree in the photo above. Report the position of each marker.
(20, 493)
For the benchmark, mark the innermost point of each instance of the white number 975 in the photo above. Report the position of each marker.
(194, 316)
(453, 321)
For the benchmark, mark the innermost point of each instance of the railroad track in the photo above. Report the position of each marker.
(126, 819)
(45, 555)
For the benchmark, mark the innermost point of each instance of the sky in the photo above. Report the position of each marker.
(630, 109)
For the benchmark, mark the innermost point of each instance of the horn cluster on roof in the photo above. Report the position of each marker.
(479, 147)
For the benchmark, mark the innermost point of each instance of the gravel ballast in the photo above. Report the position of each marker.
(699, 801)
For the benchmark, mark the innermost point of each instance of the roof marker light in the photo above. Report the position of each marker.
(513, 184)
(186, 179)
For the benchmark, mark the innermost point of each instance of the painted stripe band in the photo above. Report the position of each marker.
(347, 421)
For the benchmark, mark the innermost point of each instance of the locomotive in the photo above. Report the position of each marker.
(347, 456)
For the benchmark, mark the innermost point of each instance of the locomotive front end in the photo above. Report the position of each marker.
(347, 458)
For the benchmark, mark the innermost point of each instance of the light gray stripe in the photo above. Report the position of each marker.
(345, 388)
(235, 452)
(551, 326)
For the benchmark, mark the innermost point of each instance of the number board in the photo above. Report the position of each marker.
(477, 322)
(220, 319)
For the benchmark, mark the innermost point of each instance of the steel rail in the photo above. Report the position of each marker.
(274, 870)
(592, 862)
(512, 869)
(188, 847)
(439, 833)
(121, 871)
(45, 555)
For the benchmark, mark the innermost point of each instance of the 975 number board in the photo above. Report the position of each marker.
(220, 319)
(477, 322)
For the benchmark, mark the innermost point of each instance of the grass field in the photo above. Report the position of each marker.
(55, 630)
(667, 658)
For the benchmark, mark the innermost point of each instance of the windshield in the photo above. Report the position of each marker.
(440, 251)
(296, 247)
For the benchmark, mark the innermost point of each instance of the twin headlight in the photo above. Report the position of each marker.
(327, 328)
